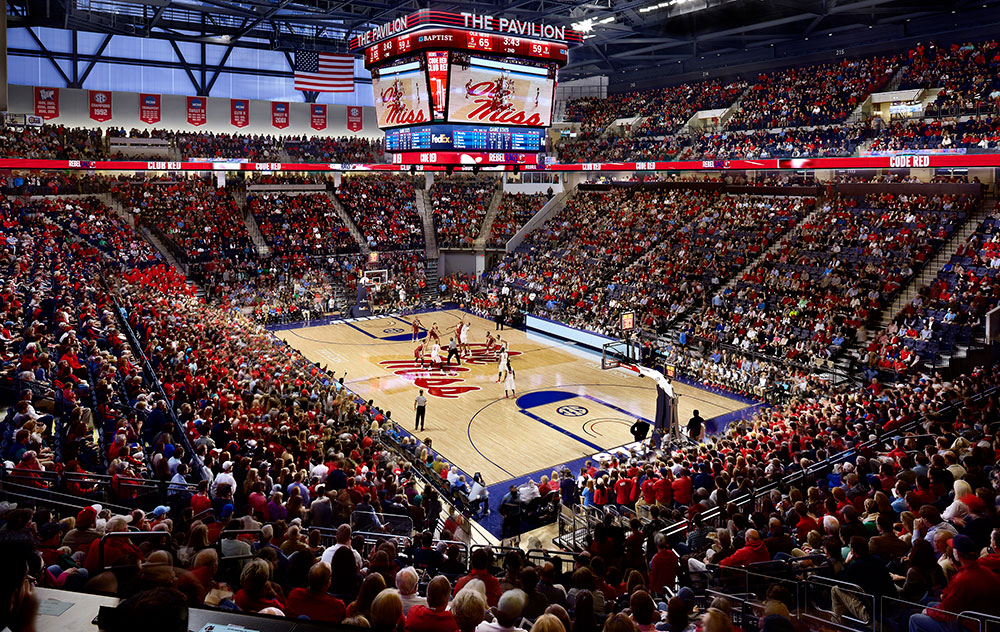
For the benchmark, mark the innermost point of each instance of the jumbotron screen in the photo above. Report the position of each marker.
(441, 100)
(401, 93)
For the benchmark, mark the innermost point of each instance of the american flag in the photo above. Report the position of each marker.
(324, 72)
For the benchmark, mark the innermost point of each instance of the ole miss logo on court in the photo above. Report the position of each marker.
(444, 382)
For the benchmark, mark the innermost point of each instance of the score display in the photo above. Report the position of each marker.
(464, 137)
(461, 40)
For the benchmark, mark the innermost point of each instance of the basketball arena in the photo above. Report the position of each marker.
(529, 316)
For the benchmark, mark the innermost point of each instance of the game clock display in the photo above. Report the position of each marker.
(461, 40)
(464, 137)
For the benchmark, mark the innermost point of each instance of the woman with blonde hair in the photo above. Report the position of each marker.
(387, 611)
(959, 508)
(548, 623)
(715, 620)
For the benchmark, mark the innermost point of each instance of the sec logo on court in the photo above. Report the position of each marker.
(572, 411)
(393, 330)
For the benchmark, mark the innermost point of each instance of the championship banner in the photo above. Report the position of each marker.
(501, 93)
(355, 118)
(279, 114)
(100, 105)
(317, 116)
(401, 95)
(197, 110)
(239, 112)
(149, 108)
(47, 102)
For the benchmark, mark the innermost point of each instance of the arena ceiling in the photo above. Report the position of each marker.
(626, 39)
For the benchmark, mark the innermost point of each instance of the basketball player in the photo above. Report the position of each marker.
(463, 337)
(504, 361)
(434, 333)
(416, 328)
(508, 383)
(490, 341)
(418, 354)
(436, 355)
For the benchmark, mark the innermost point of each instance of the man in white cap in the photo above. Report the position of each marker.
(225, 476)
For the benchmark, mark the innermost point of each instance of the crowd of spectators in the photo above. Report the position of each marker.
(654, 251)
(949, 311)
(938, 134)
(203, 221)
(300, 225)
(967, 74)
(347, 149)
(515, 210)
(789, 143)
(51, 183)
(459, 203)
(246, 434)
(383, 207)
(618, 149)
(52, 142)
(826, 283)
(812, 95)
(253, 147)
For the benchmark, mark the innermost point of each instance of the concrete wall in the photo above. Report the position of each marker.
(74, 111)
(452, 262)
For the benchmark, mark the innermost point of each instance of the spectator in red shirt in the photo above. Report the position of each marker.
(314, 601)
(754, 551)
(434, 617)
(257, 590)
(682, 488)
(479, 562)
(664, 491)
(973, 588)
(114, 548)
(663, 566)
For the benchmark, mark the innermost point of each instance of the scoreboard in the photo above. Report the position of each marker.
(457, 84)
(470, 41)
(464, 137)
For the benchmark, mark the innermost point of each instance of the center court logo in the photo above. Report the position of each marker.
(445, 383)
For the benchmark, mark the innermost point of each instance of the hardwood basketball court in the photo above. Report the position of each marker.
(566, 406)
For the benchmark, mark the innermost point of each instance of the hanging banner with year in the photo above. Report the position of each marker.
(355, 118)
(47, 103)
(100, 105)
(279, 114)
(149, 108)
(317, 117)
(239, 112)
(197, 112)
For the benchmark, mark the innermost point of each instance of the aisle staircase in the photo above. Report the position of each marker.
(681, 321)
(548, 210)
(423, 205)
(345, 217)
(263, 250)
(491, 214)
(929, 272)
(164, 252)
